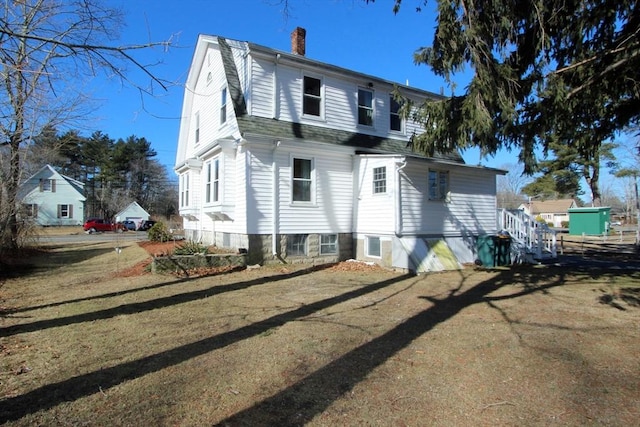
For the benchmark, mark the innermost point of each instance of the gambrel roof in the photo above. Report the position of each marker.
(284, 129)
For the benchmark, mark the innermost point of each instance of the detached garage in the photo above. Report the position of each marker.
(133, 212)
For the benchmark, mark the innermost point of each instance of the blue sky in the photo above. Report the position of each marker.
(348, 33)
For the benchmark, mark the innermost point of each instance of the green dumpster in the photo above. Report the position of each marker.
(595, 220)
(493, 250)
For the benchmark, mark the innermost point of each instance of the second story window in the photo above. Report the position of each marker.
(312, 96)
(395, 121)
(48, 185)
(223, 106)
(197, 127)
(380, 180)
(365, 107)
(302, 180)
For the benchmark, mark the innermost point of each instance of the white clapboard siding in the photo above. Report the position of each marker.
(469, 209)
(340, 98)
(375, 213)
(259, 190)
(261, 93)
(332, 210)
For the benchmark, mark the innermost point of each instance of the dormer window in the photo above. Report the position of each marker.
(312, 96)
(197, 127)
(395, 121)
(223, 105)
(365, 107)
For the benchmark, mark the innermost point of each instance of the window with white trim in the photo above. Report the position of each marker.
(30, 210)
(302, 180)
(438, 184)
(223, 105)
(207, 182)
(297, 245)
(328, 244)
(65, 211)
(48, 185)
(215, 196)
(184, 190)
(365, 107)
(380, 180)
(212, 181)
(395, 121)
(373, 247)
(312, 96)
(197, 127)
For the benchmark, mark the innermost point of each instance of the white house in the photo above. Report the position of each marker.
(553, 212)
(133, 212)
(49, 198)
(290, 159)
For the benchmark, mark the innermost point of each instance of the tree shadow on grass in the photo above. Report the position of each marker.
(27, 261)
(153, 304)
(10, 311)
(299, 403)
(310, 396)
(80, 386)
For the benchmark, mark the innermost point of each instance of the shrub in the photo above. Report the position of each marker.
(159, 233)
(191, 248)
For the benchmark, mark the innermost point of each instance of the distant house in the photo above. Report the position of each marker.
(293, 159)
(49, 198)
(553, 212)
(133, 212)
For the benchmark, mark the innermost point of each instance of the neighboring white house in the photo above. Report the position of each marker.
(553, 212)
(133, 212)
(49, 198)
(291, 158)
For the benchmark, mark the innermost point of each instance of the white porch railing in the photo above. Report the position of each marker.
(536, 239)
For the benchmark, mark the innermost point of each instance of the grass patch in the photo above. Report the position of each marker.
(300, 345)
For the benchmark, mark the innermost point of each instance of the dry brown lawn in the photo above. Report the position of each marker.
(88, 338)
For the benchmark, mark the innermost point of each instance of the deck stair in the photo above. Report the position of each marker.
(532, 241)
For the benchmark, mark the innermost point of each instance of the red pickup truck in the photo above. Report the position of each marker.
(97, 224)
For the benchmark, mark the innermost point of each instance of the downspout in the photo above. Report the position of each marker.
(397, 199)
(274, 199)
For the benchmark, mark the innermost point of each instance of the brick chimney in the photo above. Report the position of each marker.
(298, 41)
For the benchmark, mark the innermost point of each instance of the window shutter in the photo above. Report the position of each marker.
(53, 185)
(35, 211)
(70, 211)
(41, 185)
(59, 210)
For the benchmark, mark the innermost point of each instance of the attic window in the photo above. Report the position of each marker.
(197, 127)
(395, 121)
(48, 185)
(223, 105)
(365, 107)
(311, 104)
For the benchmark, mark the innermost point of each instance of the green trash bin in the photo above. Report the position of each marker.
(503, 249)
(486, 249)
(493, 250)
